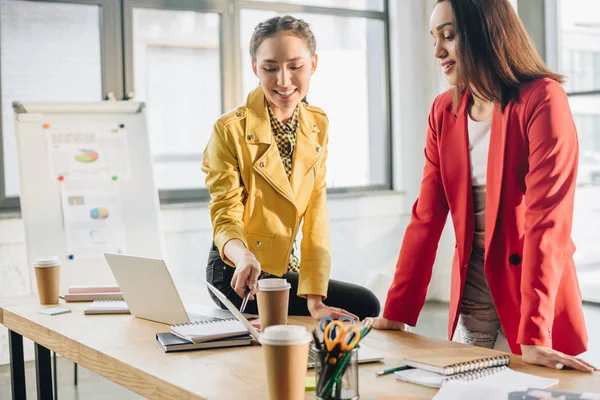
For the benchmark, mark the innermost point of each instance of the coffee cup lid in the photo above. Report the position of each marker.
(48, 261)
(283, 335)
(273, 284)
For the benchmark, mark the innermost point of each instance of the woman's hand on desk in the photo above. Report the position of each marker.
(318, 309)
(382, 323)
(247, 270)
(551, 358)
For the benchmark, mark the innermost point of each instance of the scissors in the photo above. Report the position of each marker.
(339, 339)
(326, 320)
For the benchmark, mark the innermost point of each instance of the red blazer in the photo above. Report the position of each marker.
(532, 167)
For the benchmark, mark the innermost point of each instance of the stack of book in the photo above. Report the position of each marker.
(91, 293)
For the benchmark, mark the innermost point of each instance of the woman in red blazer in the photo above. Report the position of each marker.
(511, 206)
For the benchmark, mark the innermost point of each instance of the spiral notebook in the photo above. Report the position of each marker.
(107, 307)
(450, 361)
(494, 376)
(202, 331)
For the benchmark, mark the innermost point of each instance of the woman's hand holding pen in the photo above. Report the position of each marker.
(247, 268)
(383, 323)
(318, 309)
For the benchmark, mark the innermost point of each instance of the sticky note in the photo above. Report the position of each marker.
(55, 311)
(311, 383)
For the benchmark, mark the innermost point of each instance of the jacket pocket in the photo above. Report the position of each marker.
(258, 241)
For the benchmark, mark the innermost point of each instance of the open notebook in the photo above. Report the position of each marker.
(204, 331)
(495, 376)
(450, 361)
(107, 307)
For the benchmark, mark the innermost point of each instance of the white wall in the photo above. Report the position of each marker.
(366, 230)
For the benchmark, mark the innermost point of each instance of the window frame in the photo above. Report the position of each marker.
(343, 12)
(116, 33)
(111, 58)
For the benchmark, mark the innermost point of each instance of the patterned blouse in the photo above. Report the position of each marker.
(285, 136)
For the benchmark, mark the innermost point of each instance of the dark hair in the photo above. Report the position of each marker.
(288, 24)
(495, 53)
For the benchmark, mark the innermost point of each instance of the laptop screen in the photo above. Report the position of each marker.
(236, 313)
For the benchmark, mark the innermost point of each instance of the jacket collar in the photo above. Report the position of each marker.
(269, 165)
(258, 127)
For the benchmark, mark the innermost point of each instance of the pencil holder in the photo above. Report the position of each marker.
(337, 381)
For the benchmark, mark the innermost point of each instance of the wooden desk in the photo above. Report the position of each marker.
(123, 349)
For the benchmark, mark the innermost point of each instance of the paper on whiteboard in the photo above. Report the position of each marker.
(97, 151)
(93, 218)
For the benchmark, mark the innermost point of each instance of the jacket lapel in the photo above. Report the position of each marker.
(495, 171)
(457, 171)
(258, 131)
(307, 150)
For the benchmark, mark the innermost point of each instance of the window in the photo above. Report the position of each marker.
(188, 62)
(49, 52)
(579, 60)
(177, 74)
(349, 85)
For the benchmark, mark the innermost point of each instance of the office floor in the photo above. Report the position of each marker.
(91, 386)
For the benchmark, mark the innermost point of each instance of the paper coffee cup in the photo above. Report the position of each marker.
(273, 298)
(47, 276)
(286, 359)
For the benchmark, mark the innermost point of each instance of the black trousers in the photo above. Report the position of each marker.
(356, 299)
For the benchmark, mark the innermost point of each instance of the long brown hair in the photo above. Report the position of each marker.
(495, 53)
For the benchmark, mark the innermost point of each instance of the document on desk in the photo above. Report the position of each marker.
(496, 385)
(93, 218)
(93, 151)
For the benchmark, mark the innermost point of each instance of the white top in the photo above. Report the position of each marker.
(479, 144)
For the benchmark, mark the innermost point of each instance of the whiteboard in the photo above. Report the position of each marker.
(41, 202)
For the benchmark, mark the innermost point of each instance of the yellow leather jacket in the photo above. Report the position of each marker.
(252, 199)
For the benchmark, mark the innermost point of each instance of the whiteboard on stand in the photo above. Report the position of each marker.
(103, 184)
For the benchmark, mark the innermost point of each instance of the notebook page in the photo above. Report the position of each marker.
(109, 305)
(100, 306)
(209, 330)
(472, 391)
(517, 380)
(496, 386)
(493, 376)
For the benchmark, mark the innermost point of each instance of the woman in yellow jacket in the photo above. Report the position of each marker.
(265, 166)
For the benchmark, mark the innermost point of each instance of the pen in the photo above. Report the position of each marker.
(245, 301)
(318, 344)
(389, 371)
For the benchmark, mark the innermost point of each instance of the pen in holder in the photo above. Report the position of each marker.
(337, 381)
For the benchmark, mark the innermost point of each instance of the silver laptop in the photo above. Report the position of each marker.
(150, 293)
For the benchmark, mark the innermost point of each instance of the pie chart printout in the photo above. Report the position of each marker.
(99, 213)
(86, 156)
